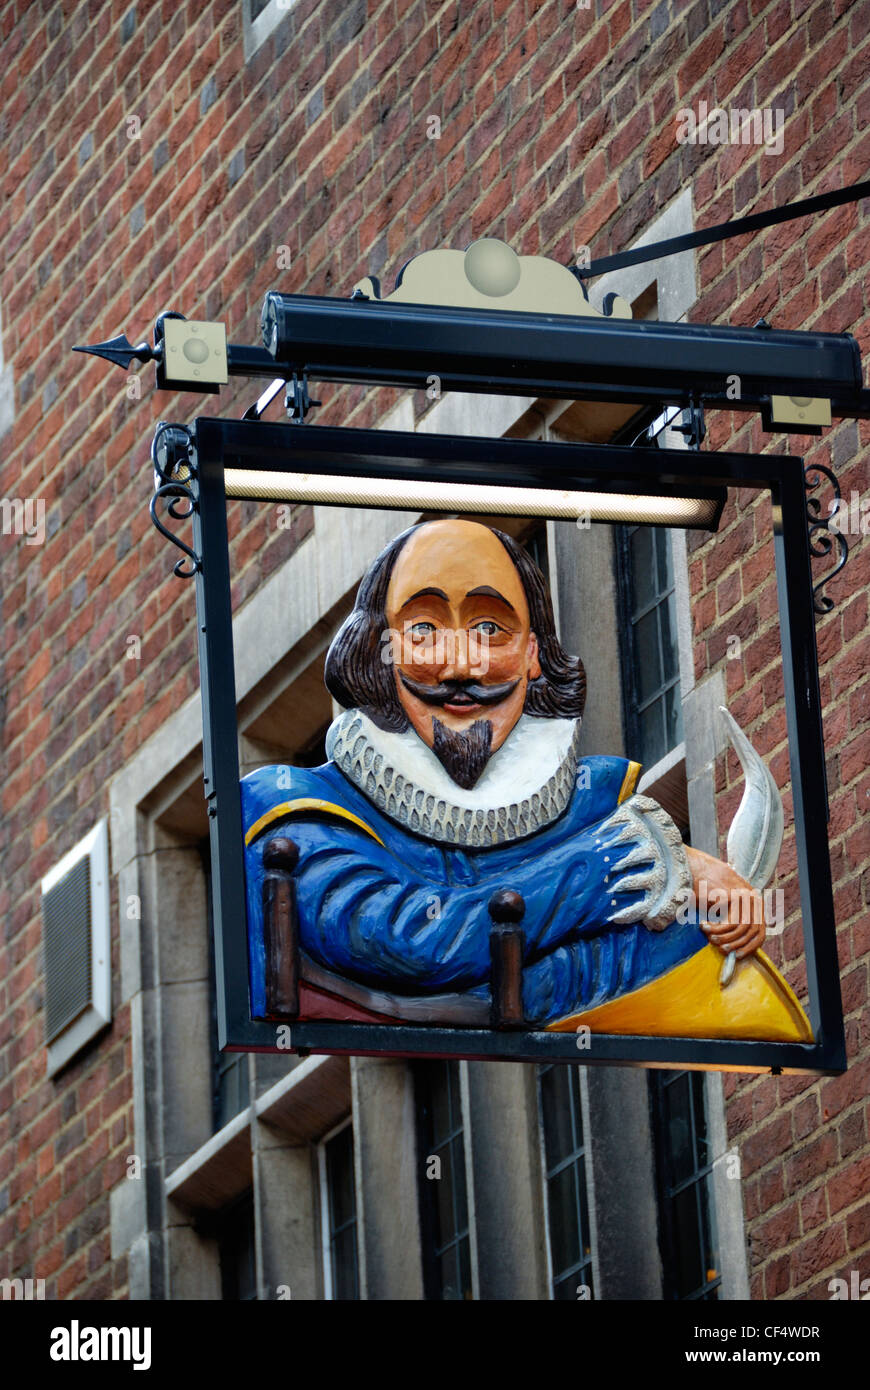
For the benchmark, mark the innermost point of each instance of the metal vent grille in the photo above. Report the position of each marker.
(66, 937)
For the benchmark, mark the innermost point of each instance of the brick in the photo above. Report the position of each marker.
(810, 1161)
(849, 1186)
(818, 1253)
(772, 1235)
(806, 1117)
(767, 1143)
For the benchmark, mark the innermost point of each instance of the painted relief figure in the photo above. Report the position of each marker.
(455, 795)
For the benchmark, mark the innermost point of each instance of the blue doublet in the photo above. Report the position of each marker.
(399, 912)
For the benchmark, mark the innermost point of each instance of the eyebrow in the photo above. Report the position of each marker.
(425, 593)
(487, 592)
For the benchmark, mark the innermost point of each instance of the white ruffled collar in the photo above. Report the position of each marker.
(526, 784)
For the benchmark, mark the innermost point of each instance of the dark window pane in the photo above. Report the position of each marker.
(699, 1112)
(444, 1194)
(448, 1266)
(235, 1239)
(649, 642)
(678, 1117)
(442, 1120)
(535, 545)
(683, 1166)
(443, 1200)
(567, 1202)
(464, 1249)
(341, 1215)
(344, 1265)
(652, 738)
(339, 1176)
(690, 1270)
(460, 1195)
(455, 1095)
(564, 1233)
(576, 1111)
(556, 1104)
(649, 666)
(642, 543)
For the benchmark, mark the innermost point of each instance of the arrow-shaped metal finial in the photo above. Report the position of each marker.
(121, 351)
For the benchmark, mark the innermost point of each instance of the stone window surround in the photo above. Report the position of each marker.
(256, 31)
(309, 592)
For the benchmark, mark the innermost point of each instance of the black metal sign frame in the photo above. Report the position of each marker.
(220, 444)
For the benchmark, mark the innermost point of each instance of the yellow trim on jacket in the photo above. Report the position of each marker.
(307, 803)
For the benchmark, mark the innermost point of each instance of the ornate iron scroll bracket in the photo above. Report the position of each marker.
(173, 455)
(824, 533)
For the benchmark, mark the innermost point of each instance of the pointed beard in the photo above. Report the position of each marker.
(463, 755)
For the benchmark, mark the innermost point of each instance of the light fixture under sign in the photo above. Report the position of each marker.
(480, 499)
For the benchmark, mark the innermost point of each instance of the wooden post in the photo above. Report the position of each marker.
(506, 941)
(281, 928)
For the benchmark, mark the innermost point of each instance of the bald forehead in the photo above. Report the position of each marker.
(456, 557)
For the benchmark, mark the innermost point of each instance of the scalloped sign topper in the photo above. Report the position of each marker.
(490, 275)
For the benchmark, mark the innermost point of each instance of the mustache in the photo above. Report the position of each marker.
(446, 691)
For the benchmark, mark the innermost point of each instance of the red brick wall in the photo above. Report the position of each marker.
(803, 1143)
(558, 130)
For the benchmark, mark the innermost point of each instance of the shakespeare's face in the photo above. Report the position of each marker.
(463, 650)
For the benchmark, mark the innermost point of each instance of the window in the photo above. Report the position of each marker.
(567, 1199)
(235, 1238)
(76, 950)
(650, 649)
(338, 1215)
(535, 544)
(687, 1220)
(443, 1193)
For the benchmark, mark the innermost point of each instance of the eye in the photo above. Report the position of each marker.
(487, 627)
(422, 629)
